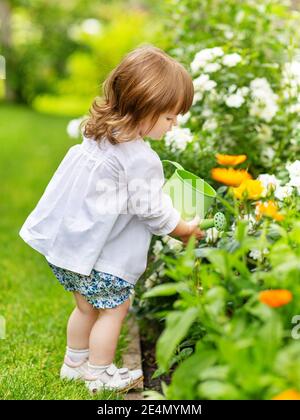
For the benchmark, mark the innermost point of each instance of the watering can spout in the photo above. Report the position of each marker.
(218, 221)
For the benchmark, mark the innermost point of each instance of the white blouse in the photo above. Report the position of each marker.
(101, 208)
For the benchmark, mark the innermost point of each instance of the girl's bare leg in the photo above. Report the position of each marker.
(80, 323)
(105, 333)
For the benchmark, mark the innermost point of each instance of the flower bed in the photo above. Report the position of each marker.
(229, 305)
(231, 302)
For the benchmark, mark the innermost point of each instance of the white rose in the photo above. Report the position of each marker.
(294, 168)
(283, 192)
(295, 182)
(268, 181)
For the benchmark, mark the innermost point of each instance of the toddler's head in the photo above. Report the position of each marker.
(142, 97)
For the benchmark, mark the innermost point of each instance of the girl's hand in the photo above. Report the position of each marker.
(184, 230)
(193, 229)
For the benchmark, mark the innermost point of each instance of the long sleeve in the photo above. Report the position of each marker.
(146, 198)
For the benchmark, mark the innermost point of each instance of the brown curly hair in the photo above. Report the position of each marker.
(146, 83)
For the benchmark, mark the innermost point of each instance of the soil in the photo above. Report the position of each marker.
(149, 364)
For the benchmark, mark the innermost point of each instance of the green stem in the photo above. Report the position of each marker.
(227, 205)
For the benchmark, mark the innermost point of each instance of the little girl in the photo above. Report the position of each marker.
(96, 217)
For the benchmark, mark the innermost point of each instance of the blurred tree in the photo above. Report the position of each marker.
(37, 41)
(34, 43)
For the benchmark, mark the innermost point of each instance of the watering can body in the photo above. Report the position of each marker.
(190, 194)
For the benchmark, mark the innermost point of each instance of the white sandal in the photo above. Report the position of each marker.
(112, 378)
(73, 370)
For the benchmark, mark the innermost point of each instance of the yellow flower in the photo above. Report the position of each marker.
(249, 190)
(268, 209)
(230, 160)
(275, 298)
(289, 394)
(230, 176)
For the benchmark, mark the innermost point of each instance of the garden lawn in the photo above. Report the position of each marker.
(33, 303)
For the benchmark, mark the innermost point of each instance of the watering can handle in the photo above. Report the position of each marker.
(178, 166)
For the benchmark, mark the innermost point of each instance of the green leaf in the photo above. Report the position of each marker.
(177, 326)
(166, 289)
(214, 372)
(217, 390)
(214, 301)
(186, 376)
(219, 259)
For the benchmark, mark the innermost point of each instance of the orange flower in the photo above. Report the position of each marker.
(249, 190)
(230, 160)
(230, 176)
(275, 298)
(268, 209)
(289, 394)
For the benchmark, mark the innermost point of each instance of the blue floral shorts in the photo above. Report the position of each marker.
(102, 290)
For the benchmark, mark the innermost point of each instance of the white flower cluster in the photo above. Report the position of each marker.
(212, 235)
(294, 173)
(291, 80)
(258, 255)
(202, 84)
(173, 244)
(206, 62)
(236, 97)
(210, 124)
(264, 100)
(231, 60)
(151, 280)
(183, 119)
(270, 182)
(205, 57)
(157, 248)
(178, 138)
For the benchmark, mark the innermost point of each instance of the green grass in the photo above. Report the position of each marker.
(35, 306)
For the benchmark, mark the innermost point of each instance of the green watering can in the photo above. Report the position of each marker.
(192, 196)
